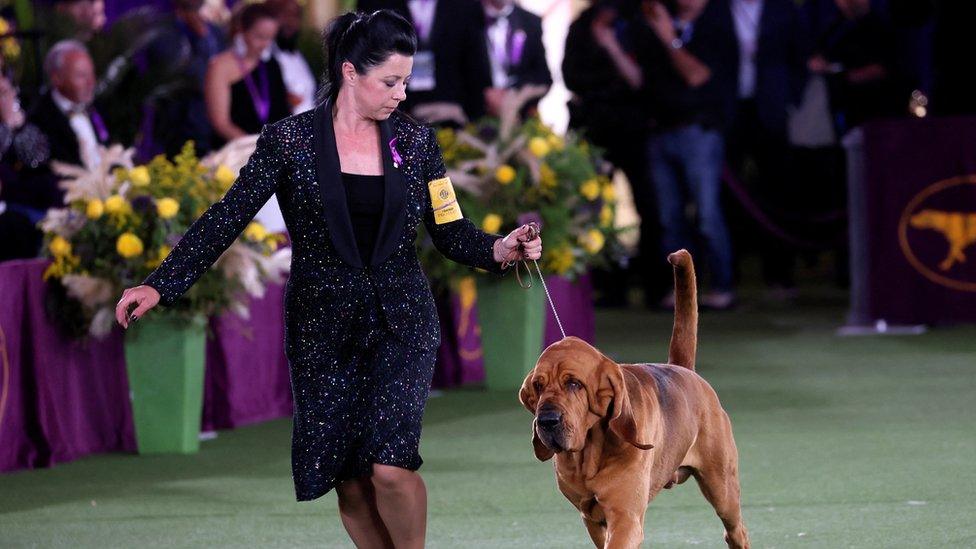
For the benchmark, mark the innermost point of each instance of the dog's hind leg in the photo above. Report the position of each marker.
(720, 486)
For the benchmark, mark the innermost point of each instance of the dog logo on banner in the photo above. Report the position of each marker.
(937, 228)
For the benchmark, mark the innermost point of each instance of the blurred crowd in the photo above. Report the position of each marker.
(726, 116)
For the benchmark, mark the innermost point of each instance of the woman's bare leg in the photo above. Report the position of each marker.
(360, 517)
(401, 498)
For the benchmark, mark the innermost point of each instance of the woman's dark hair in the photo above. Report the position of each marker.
(250, 14)
(365, 40)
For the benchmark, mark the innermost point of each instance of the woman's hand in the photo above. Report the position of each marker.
(145, 297)
(522, 243)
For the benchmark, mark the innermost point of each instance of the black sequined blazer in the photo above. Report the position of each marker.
(296, 159)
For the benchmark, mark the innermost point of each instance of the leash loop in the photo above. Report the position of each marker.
(534, 232)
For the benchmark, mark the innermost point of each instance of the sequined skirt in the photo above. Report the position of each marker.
(358, 404)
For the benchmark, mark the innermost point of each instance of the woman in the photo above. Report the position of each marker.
(360, 324)
(243, 88)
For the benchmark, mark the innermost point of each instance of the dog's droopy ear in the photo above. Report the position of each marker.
(542, 452)
(528, 395)
(613, 391)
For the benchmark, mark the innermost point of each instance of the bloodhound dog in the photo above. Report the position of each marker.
(622, 432)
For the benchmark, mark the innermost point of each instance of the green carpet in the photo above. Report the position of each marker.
(844, 442)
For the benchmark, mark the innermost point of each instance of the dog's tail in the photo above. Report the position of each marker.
(684, 335)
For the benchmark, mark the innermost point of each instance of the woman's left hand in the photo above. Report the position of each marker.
(520, 244)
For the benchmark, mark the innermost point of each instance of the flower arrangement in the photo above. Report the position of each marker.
(508, 172)
(121, 220)
(9, 46)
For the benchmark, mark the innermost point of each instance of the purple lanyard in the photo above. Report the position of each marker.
(99, 125)
(260, 97)
(423, 28)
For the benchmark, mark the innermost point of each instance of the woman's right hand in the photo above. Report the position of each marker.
(144, 297)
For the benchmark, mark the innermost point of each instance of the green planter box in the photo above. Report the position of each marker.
(512, 323)
(165, 359)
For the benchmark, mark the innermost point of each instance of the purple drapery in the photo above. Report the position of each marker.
(62, 399)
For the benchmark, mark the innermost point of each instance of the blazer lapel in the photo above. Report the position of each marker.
(394, 196)
(327, 168)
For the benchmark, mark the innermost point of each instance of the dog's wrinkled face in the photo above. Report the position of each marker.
(571, 389)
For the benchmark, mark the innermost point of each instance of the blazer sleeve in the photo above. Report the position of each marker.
(460, 240)
(220, 225)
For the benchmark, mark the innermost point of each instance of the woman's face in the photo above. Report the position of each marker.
(378, 92)
(261, 34)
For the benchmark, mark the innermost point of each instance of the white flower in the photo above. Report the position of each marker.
(88, 182)
(102, 323)
(89, 290)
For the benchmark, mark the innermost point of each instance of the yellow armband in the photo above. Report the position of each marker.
(444, 201)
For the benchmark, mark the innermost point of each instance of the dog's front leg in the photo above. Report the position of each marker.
(625, 527)
(597, 530)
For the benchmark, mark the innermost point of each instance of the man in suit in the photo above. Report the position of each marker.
(65, 113)
(515, 50)
(770, 47)
(450, 71)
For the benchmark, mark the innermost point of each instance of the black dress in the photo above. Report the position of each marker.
(361, 332)
(244, 112)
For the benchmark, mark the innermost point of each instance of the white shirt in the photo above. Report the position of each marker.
(81, 125)
(298, 78)
(422, 13)
(498, 42)
(746, 15)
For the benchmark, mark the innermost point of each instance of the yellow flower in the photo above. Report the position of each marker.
(592, 241)
(556, 142)
(505, 174)
(121, 174)
(94, 209)
(115, 204)
(491, 223)
(160, 256)
(167, 207)
(609, 195)
(606, 216)
(139, 176)
(445, 137)
(560, 260)
(255, 232)
(128, 245)
(59, 246)
(590, 189)
(539, 146)
(224, 177)
(547, 176)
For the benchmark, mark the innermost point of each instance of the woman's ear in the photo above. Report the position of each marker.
(349, 74)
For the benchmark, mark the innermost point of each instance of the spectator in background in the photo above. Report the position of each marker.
(23, 198)
(515, 50)
(689, 74)
(858, 54)
(451, 72)
(244, 88)
(295, 71)
(185, 46)
(767, 40)
(65, 113)
(599, 69)
(77, 19)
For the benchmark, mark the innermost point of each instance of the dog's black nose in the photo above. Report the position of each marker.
(549, 419)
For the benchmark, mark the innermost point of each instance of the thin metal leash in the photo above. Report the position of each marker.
(534, 231)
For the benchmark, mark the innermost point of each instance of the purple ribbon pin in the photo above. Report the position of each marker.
(397, 159)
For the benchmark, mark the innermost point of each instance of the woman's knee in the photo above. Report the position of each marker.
(354, 494)
(387, 478)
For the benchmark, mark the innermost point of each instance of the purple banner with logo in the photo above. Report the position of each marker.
(915, 193)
